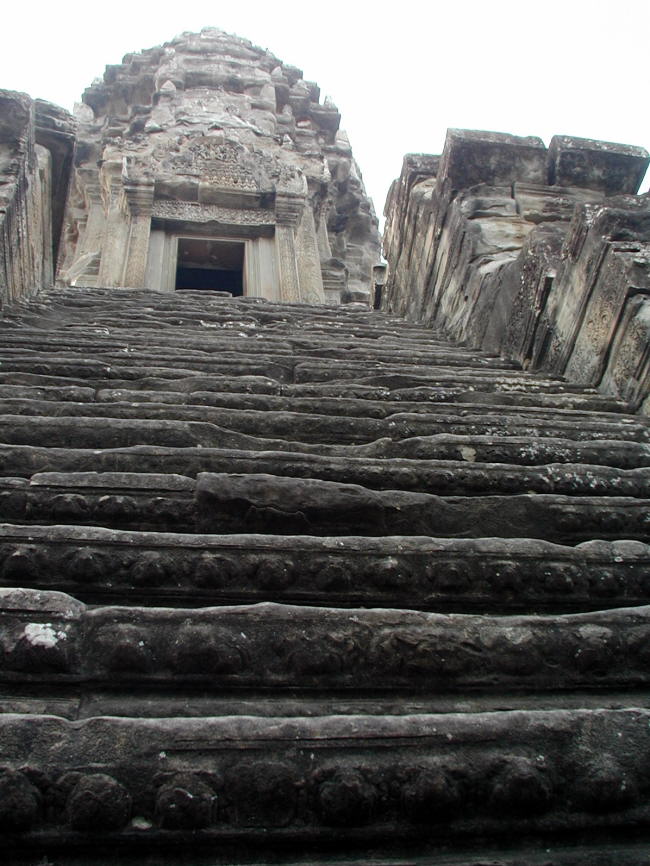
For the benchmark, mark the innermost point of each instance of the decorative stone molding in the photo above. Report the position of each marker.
(269, 781)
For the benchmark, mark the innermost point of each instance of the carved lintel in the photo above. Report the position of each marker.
(201, 213)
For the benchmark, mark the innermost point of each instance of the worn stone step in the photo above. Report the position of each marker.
(306, 369)
(486, 574)
(75, 314)
(126, 366)
(268, 503)
(441, 477)
(334, 781)
(376, 372)
(108, 432)
(349, 406)
(186, 384)
(261, 503)
(405, 425)
(331, 429)
(518, 450)
(86, 305)
(418, 386)
(622, 852)
(156, 700)
(117, 500)
(376, 388)
(73, 393)
(26, 460)
(190, 344)
(50, 638)
(586, 401)
(118, 425)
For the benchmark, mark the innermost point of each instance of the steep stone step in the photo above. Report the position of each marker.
(72, 393)
(285, 367)
(379, 373)
(585, 401)
(506, 423)
(376, 388)
(185, 383)
(102, 565)
(108, 499)
(394, 853)
(440, 634)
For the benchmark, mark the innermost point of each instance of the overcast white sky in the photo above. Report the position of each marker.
(400, 72)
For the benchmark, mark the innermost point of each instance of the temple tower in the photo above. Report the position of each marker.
(209, 163)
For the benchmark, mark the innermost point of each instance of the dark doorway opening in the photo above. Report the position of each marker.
(211, 265)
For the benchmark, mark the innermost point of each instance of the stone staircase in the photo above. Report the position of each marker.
(290, 584)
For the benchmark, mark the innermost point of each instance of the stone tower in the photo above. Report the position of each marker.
(209, 163)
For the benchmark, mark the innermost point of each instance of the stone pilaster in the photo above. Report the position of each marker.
(309, 268)
(139, 198)
(111, 269)
(288, 210)
(91, 229)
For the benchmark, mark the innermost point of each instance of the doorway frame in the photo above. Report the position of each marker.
(183, 236)
(162, 260)
(261, 273)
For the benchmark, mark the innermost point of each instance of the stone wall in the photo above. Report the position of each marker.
(540, 255)
(36, 144)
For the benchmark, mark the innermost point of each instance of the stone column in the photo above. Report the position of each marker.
(139, 198)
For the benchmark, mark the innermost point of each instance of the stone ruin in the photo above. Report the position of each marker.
(313, 583)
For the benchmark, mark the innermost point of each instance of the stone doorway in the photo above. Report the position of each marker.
(204, 263)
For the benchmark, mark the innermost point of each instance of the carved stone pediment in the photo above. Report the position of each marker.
(224, 164)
